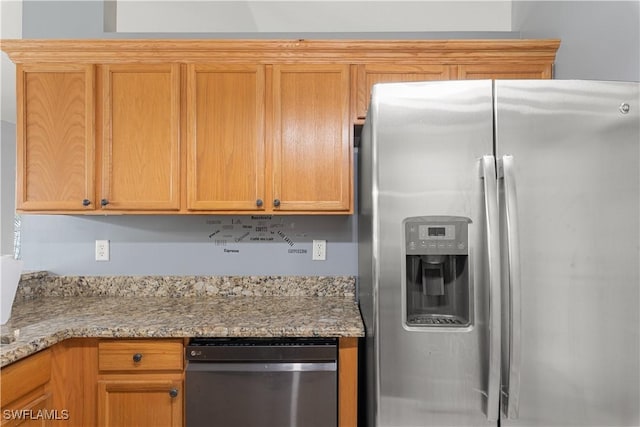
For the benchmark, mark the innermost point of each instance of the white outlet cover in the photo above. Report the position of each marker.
(102, 250)
(319, 250)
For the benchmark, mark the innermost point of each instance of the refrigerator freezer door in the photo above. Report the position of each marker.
(427, 140)
(575, 149)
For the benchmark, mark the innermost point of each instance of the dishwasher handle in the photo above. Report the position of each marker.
(261, 367)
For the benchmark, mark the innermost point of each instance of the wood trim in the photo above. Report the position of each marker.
(73, 380)
(270, 140)
(274, 51)
(348, 382)
(184, 132)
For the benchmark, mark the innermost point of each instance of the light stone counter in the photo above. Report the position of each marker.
(49, 309)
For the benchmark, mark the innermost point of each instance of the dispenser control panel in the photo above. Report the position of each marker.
(436, 235)
(436, 232)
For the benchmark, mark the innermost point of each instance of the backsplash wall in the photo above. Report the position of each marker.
(189, 245)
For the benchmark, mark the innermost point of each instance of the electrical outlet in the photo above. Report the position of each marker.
(102, 250)
(319, 250)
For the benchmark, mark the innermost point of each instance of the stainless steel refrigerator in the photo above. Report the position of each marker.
(499, 253)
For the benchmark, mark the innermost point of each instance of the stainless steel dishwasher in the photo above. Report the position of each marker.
(256, 382)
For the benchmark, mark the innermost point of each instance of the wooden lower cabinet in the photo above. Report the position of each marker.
(348, 382)
(152, 400)
(26, 395)
(34, 412)
(122, 382)
(140, 382)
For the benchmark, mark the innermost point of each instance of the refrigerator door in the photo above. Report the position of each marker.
(427, 141)
(574, 158)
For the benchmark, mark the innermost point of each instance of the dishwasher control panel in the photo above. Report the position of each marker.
(262, 349)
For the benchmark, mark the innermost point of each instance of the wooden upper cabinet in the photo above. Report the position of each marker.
(141, 137)
(369, 74)
(504, 71)
(225, 137)
(55, 134)
(312, 153)
(218, 126)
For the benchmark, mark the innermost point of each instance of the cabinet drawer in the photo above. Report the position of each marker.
(140, 355)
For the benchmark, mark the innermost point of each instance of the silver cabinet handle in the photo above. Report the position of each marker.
(512, 386)
(493, 255)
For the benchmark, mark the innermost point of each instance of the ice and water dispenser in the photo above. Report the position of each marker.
(437, 284)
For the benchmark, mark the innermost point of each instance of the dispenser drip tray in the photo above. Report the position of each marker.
(436, 319)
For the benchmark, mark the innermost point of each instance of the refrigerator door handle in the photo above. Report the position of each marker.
(513, 258)
(493, 255)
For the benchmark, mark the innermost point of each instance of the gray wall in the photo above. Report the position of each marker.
(7, 183)
(600, 40)
(184, 245)
(51, 19)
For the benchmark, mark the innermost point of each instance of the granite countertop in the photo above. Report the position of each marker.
(49, 309)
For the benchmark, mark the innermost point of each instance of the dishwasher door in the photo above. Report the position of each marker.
(270, 384)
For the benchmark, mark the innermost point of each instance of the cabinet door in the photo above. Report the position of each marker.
(370, 74)
(225, 137)
(37, 412)
(312, 156)
(140, 401)
(55, 136)
(504, 71)
(141, 139)
(26, 391)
